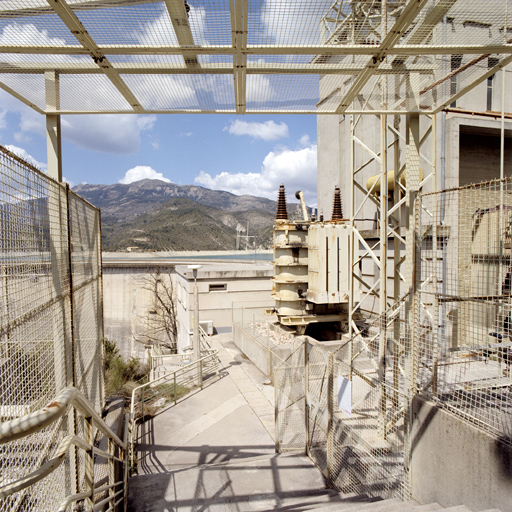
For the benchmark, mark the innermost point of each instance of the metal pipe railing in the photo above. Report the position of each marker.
(185, 375)
(24, 426)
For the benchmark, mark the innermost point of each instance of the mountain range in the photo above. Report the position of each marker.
(153, 215)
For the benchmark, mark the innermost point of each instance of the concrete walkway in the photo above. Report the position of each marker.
(215, 450)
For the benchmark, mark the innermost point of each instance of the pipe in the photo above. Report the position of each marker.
(300, 196)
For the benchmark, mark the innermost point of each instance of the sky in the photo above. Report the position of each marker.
(243, 155)
(240, 154)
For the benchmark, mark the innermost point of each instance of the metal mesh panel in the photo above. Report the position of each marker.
(414, 57)
(263, 341)
(37, 332)
(367, 441)
(30, 87)
(87, 303)
(183, 92)
(291, 403)
(317, 371)
(88, 92)
(464, 346)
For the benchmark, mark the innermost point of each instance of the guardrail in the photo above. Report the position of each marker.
(70, 398)
(157, 358)
(168, 388)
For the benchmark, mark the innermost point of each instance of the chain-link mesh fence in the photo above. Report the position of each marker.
(290, 396)
(261, 338)
(464, 345)
(50, 320)
(367, 434)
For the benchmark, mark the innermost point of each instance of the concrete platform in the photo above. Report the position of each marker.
(215, 450)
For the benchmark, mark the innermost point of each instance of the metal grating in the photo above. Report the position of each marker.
(465, 320)
(51, 325)
(306, 56)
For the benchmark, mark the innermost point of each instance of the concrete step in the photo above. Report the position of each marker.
(271, 482)
(458, 508)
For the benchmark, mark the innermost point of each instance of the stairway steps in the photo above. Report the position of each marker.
(458, 508)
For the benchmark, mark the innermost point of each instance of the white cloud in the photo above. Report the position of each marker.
(109, 133)
(265, 131)
(22, 153)
(295, 168)
(142, 172)
(280, 20)
(119, 134)
(304, 141)
(3, 122)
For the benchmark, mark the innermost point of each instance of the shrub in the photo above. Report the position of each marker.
(121, 374)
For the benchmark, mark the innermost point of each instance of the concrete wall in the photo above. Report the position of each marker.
(126, 303)
(454, 463)
(243, 283)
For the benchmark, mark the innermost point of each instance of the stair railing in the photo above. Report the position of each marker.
(67, 401)
(157, 393)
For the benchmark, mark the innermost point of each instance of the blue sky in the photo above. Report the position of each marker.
(240, 154)
(248, 154)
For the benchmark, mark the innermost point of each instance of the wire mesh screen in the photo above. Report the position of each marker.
(317, 385)
(50, 338)
(291, 403)
(261, 338)
(367, 438)
(464, 345)
(361, 56)
(87, 299)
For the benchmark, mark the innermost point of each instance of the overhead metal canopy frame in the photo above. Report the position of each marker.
(244, 56)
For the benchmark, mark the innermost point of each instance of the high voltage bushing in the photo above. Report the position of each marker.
(337, 211)
(282, 213)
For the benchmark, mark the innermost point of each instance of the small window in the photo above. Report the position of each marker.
(217, 287)
(491, 62)
(455, 63)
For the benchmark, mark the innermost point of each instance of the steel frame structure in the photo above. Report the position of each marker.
(72, 38)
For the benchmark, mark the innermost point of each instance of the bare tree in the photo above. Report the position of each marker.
(160, 323)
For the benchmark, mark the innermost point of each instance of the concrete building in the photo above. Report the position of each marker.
(219, 287)
(129, 298)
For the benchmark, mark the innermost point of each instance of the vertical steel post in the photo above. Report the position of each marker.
(269, 356)
(72, 347)
(330, 416)
(397, 256)
(111, 472)
(306, 394)
(383, 275)
(412, 282)
(89, 464)
(352, 248)
(125, 458)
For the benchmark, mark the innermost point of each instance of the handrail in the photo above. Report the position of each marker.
(167, 375)
(200, 364)
(34, 422)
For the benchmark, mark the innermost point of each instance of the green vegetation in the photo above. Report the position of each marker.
(157, 216)
(151, 399)
(181, 225)
(121, 375)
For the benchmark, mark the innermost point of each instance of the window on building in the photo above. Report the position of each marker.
(491, 62)
(217, 287)
(455, 64)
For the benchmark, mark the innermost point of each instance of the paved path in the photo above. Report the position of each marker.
(215, 450)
